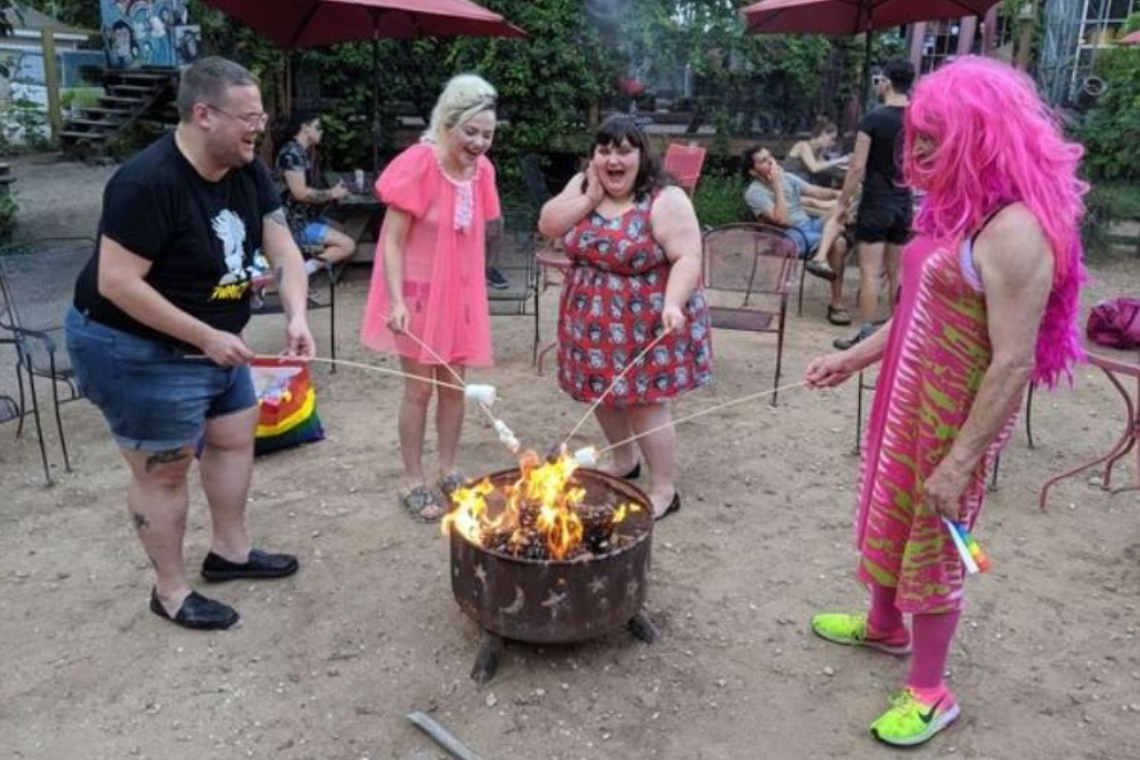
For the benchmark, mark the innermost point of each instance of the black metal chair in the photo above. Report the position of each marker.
(270, 303)
(37, 281)
(747, 271)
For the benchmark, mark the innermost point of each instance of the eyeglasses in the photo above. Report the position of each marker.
(253, 120)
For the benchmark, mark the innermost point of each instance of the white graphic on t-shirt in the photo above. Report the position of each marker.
(230, 229)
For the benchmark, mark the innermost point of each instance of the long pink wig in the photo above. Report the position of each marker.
(996, 143)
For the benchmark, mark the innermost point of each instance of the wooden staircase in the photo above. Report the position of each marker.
(132, 96)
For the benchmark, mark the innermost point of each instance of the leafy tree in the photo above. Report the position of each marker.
(1111, 133)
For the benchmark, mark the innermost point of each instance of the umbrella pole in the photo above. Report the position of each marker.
(375, 93)
(866, 88)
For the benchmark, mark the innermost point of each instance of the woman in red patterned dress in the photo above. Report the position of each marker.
(635, 251)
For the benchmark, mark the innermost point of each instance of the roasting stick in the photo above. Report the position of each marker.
(703, 412)
(506, 435)
(609, 390)
(441, 736)
(358, 365)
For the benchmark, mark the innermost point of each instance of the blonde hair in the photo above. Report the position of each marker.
(465, 96)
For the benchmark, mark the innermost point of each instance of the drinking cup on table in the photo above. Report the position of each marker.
(358, 182)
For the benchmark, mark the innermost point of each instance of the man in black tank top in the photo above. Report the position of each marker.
(886, 209)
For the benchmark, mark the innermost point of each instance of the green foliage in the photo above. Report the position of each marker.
(80, 13)
(1106, 203)
(8, 212)
(719, 199)
(1110, 132)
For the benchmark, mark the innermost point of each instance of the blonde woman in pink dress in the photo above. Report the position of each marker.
(990, 293)
(428, 277)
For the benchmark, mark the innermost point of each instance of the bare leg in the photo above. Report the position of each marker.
(659, 449)
(894, 252)
(836, 259)
(413, 420)
(870, 272)
(226, 469)
(616, 427)
(338, 247)
(449, 418)
(158, 500)
(832, 231)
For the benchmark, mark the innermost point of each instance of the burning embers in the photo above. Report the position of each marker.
(544, 514)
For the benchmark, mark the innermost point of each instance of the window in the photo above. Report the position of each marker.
(940, 43)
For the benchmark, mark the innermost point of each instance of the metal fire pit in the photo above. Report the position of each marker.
(552, 601)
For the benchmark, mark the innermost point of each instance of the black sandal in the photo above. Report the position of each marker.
(819, 269)
(422, 499)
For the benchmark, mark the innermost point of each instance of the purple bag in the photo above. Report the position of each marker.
(1115, 322)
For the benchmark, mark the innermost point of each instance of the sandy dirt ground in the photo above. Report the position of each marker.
(326, 664)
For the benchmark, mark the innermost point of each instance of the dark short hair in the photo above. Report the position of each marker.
(206, 81)
(901, 74)
(621, 128)
(748, 158)
(298, 119)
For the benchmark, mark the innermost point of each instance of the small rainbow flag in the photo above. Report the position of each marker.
(975, 560)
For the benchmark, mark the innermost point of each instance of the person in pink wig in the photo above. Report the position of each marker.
(990, 292)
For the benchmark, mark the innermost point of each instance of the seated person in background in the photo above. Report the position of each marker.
(806, 160)
(777, 197)
(303, 202)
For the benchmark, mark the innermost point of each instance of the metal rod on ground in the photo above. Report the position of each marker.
(441, 736)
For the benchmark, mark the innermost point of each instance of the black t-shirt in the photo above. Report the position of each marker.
(200, 236)
(884, 125)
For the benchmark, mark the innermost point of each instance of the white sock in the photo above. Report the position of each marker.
(312, 265)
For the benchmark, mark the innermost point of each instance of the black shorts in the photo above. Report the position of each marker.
(884, 220)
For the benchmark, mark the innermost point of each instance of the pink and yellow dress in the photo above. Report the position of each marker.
(444, 283)
(937, 353)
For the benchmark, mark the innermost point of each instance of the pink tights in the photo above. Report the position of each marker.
(932, 635)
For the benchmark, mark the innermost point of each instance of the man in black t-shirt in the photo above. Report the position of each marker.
(155, 332)
(886, 208)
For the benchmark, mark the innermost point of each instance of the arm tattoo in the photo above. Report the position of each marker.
(140, 523)
(160, 458)
(277, 216)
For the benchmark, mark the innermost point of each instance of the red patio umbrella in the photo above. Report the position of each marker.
(295, 24)
(850, 17)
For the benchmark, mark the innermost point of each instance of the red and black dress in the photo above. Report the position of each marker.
(611, 310)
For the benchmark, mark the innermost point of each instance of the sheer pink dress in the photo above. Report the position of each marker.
(444, 283)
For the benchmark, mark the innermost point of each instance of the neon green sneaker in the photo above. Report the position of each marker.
(851, 630)
(910, 722)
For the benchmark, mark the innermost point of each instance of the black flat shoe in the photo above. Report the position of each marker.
(633, 474)
(259, 565)
(674, 506)
(197, 612)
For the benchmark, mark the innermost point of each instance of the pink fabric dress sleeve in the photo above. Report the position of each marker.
(489, 191)
(410, 181)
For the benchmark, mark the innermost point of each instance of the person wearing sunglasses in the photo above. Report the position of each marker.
(155, 333)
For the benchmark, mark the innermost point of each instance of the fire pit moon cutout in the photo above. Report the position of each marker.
(558, 601)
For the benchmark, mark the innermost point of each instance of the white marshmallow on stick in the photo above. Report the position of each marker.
(484, 394)
(586, 457)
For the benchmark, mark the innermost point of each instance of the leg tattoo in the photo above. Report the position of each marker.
(140, 521)
(165, 457)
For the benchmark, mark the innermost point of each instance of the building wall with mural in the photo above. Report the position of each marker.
(148, 33)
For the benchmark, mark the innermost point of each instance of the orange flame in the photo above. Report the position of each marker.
(543, 499)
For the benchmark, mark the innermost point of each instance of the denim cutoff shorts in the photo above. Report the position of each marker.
(812, 230)
(314, 233)
(154, 396)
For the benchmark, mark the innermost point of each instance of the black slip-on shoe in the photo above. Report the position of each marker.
(259, 565)
(633, 474)
(197, 612)
(674, 506)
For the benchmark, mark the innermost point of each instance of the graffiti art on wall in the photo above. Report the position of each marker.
(148, 33)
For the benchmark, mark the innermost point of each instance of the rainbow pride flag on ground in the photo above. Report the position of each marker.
(287, 405)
